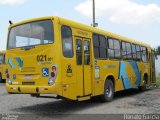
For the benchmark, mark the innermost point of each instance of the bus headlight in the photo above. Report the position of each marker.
(9, 81)
(50, 81)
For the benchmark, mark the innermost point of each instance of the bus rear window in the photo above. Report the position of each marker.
(30, 34)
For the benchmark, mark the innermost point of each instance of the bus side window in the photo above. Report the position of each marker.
(124, 50)
(114, 48)
(103, 47)
(129, 51)
(111, 48)
(134, 55)
(144, 54)
(96, 46)
(100, 46)
(147, 55)
(79, 51)
(138, 49)
(67, 42)
(117, 49)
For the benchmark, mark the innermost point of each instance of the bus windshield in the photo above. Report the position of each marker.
(1, 59)
(31, 34)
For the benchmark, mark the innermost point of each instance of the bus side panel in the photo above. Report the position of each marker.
(2, 71)
(146, 70)
(130, 73)
(106, 68)
(68, 79)
(127, 74)
(68, 75)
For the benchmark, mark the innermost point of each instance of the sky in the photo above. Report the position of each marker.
(136, 19)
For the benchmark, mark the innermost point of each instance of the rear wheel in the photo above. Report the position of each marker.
(108, 92)
(144, 86)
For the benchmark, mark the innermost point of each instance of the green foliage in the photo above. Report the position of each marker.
(158, 81)
(158, 50)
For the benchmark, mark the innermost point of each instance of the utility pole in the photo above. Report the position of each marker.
(93, 13)
(94, 21)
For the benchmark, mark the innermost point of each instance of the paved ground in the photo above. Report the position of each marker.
(126, 102)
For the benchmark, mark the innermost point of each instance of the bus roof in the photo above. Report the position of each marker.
(84, 27)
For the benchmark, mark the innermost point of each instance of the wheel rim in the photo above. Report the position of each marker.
(108, 91)
(144, 82)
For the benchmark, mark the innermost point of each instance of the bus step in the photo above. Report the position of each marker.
(83, 98)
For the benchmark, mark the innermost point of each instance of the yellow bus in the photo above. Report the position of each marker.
(2, 66)
(52, 55)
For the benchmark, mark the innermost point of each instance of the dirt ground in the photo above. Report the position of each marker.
(125, 102)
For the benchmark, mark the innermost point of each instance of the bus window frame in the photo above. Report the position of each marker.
(78, 39)
(72, 41)
(103, 47)
(134, 59)
(106, 44)
(147, 56)
(8, 36)
(137, 53)
(114, 58)
(127, 59)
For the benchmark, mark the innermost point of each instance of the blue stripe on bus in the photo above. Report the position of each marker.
(136, 71)
(123, 75)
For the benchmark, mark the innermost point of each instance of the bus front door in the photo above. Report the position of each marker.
(83, 69)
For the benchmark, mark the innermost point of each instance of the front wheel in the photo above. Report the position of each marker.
(108, 92)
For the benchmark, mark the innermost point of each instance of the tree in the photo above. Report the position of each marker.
(158, 50)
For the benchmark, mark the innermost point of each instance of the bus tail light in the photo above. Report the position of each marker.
(53, 75)
(54, 68)
(8, 77)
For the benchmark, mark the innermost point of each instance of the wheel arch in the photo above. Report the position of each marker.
(145, 77)
(112, 78)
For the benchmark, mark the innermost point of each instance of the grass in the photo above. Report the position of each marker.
(158, 81)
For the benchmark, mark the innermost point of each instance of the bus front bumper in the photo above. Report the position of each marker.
(28, 89)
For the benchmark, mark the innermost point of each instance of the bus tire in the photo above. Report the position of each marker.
(144, 86)
(1, 80)
(108, 91)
